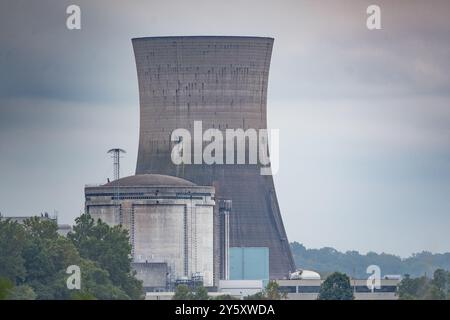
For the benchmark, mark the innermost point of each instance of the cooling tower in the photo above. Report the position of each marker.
(221, 81)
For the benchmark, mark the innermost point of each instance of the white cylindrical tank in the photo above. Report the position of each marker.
(304, 275)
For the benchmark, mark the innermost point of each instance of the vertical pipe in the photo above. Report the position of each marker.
(227, 244)
(224, 211)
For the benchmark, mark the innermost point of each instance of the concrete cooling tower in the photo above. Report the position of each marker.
(221, 81)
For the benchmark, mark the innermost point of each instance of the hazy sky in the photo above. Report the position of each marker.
(364, 116)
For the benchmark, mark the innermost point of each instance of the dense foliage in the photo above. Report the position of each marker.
(423, 288)
(183, 292)
(336, 287)
(328, 260)
(270, 292)
(34, 259)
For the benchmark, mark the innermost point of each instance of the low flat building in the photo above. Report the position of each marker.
(308, 289)
(241, 288)
(21, 219)
(63, 229)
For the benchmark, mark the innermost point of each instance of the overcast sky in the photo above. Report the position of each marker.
(364, 116)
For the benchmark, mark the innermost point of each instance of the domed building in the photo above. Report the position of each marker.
(170, 221)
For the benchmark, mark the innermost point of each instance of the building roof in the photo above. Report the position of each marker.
(142, 180)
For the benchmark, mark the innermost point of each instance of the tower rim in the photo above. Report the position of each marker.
(201, 37)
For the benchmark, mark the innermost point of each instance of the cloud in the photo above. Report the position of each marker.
(364, 115)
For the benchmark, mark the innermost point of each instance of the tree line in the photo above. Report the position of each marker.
(425, 288)
(327, 260)
(34, 259)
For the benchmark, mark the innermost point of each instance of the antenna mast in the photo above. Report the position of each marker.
(115, 154)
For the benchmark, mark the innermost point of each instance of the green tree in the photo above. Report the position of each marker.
(225, 297)
(13, 239)
(83, 295)
(47, 255)
(423, 288)
(336, 287)
(22, 292)
(272, 291)
(41, 229)
(182, 292)
(257, 296)
(440, 278)
(6, 286)
(200, 293)
(34, 260)
(413, 288)
(434, 293)
(110, 248)
(96, 284)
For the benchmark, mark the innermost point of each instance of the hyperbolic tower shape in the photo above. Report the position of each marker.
(221, 81)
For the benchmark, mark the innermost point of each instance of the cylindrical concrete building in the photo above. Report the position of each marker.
(170, 222)
(221, 81)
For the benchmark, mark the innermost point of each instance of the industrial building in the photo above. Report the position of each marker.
(296, 289)
(308, 289)
(305, 285)
(63, 229)
(45, 216)
(221, 81)
(171, 222)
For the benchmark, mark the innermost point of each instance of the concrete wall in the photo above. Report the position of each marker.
(153, 275)
(202, 253)
(172, 225)
(159, 235)
(104, 212)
